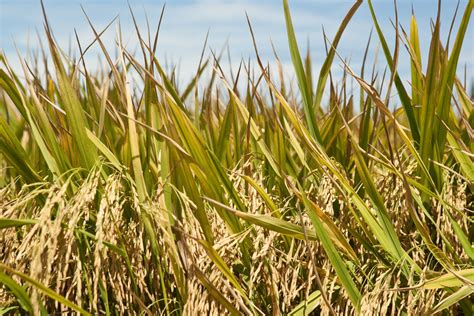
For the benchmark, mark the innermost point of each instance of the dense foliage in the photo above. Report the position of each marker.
(121, 198)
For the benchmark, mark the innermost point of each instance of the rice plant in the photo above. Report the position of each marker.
(121, 196)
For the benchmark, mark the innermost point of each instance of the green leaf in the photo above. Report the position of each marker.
(336, 260)
(11, 148)
(271, 223)
(104, 150)
(45, 290)
(452, 299)
(451, 280)
(306, 93)
(402, 93)
(18, 291)
(307, 306)
(8, 222)
(326, 67)
(416, 75)
(449, 76)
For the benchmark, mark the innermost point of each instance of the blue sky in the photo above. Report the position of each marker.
(186, 23)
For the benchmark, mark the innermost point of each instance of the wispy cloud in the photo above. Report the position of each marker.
(187, 22)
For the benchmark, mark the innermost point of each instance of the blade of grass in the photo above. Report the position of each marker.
(449, 75)
(73, 107)
(332, 253)
(451, 280)
(307, 306)
(402, 93)
(13, 151)
(326, 67)
(18, 291)
(452, 299)
(45, 290)
(306, 93)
